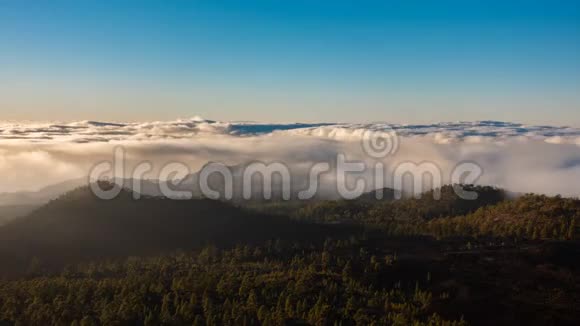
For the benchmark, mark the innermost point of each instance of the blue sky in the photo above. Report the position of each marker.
(396, 61)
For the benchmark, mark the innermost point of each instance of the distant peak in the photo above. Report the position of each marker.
(197, 118)
(104, 124)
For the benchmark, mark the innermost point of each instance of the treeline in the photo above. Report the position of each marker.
(274, 284)
(492, 214)
(530, 217)
(368, 211)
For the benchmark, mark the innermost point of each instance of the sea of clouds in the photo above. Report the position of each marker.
(521, 158)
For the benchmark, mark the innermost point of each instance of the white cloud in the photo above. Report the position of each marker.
(519, 157)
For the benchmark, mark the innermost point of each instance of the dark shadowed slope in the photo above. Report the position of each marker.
(78, 226)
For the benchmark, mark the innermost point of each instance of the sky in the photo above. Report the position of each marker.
(341, 61)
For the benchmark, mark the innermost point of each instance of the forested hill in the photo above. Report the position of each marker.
(368, 210)
(494, 213)
(527, 217)
(83, 261)
(79, 226)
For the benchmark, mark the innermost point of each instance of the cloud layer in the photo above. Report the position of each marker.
(92, 131)
(523, 158)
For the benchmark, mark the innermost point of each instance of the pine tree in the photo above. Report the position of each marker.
(572, 230)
